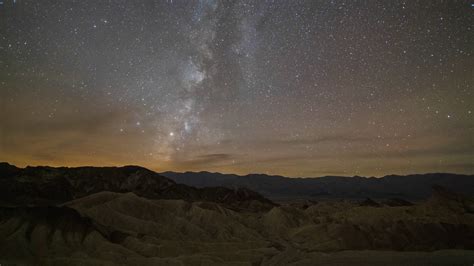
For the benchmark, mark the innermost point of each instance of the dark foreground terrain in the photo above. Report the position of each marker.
(133, 216)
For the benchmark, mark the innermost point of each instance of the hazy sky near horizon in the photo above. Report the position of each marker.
(297, 88)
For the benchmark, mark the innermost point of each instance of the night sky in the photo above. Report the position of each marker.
(297, 88)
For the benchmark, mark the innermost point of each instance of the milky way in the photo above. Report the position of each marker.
(300, 88)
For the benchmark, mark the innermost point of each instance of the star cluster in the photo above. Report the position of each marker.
(300, 88)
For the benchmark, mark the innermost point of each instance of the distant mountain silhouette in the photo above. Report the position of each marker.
(413, 187)
(45, 185)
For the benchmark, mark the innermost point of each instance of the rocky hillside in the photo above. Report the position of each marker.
(49, 185)
(123, 228)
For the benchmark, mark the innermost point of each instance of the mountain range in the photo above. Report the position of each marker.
(412, 187)
(43, 185)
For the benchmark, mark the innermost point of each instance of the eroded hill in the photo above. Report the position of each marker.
(136, 225)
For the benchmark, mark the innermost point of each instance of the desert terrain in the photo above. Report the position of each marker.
(133, 216)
